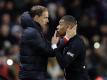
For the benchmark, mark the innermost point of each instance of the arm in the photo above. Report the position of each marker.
(36, 41)
(66, 58)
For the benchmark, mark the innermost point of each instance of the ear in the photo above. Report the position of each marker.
(75, 27)
(72, 27)
(36, 18)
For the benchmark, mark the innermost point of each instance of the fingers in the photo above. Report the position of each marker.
(55, 40)
(73, 29)
(69, 30)
(55, 33)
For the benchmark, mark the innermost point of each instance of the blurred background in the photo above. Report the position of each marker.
(92, 27)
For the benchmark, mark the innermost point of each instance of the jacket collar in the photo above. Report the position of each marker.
(37, 26)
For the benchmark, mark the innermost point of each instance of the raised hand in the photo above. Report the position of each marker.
(71, 32)
(55, 39)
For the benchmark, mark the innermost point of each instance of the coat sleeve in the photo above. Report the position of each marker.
(66, 58)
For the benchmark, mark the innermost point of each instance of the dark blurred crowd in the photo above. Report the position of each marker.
(92, 27)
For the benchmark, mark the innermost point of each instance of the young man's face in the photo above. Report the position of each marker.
(61, 28)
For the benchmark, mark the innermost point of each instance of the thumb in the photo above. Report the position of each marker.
(55, 33)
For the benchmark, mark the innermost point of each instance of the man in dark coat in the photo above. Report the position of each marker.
(35, 49)
(72, 56)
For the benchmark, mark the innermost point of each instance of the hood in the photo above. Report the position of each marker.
(26, 20)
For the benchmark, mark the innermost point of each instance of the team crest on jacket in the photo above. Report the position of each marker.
(70, 54)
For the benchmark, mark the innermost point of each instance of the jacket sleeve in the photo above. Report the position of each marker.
(66, 58)
(37, 43)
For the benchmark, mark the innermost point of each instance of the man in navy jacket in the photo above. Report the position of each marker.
(71, 56)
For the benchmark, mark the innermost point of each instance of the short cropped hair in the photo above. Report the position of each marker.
(69, 19)
(37, 10)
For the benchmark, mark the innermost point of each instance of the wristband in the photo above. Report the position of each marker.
(54, 46)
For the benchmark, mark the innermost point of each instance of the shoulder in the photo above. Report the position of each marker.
(30, 32)
(77, 42)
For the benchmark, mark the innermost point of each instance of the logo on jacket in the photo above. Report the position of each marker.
(70, 54)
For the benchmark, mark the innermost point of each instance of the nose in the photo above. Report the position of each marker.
(47, 20)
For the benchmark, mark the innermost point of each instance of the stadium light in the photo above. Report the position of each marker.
(10, 62)
(96, 45)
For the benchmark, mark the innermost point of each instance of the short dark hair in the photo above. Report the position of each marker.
(37, 10)
(69, 19)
